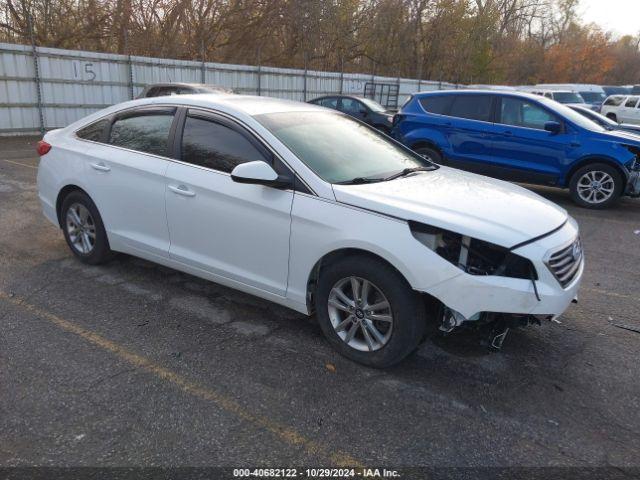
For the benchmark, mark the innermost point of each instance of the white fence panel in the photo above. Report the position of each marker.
(73, 84)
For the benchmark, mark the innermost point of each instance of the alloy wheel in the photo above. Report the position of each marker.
(360, 314)
(595, 187)
(81, 228)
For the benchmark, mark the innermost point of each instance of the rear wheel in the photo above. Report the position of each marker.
(83, 229)
(368, 312)
(430, 154)
(596, 185)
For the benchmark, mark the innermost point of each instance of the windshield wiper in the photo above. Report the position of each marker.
(361, 180)
(408, 171)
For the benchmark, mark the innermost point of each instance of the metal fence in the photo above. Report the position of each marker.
(45, 88)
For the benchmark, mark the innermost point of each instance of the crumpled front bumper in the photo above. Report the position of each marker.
(633, 185)
(472, 294)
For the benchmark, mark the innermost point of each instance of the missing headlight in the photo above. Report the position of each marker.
(475, 257)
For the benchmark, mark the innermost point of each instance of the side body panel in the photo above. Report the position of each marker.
(234, 230)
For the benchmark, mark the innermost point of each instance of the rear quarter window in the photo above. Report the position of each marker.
(438, 104)
(95, 132)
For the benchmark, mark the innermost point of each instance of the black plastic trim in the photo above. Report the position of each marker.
(539, 237)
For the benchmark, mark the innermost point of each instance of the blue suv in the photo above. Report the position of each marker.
(523, 138)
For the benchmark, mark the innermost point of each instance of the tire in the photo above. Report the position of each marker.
(430, 154)
(612, 116)
(396, 338)
(384, 129)
(93, 249)
(607, 186)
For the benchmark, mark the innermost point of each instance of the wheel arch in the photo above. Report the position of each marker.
(427, 143)
(62, 194)
(583, 162)
(335, 256)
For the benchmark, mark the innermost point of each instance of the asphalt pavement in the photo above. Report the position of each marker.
(134, 364)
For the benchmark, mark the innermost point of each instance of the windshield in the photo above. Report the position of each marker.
(593, 97)
(337, 148)
(572, 115)
(373, 105)
(567, 97)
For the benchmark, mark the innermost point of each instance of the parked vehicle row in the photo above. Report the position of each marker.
(592, 95)
(310, 209)
(524, 138)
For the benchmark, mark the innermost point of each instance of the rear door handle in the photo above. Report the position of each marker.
(508, 133)
(182, 190)
(100, 167)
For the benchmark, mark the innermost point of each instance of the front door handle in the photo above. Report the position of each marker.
(182, 190)
(508, 133)
(101, 167)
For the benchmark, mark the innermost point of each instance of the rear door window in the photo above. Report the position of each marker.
(472, 107)
(438, 104)
(631, 102)
(146, 131)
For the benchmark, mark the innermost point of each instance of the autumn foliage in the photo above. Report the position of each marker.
(466, 41)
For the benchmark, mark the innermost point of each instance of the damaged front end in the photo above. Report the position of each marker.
(480, 258)
(492, 327)
(633, 182)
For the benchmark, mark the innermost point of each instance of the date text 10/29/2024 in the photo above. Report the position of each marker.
(315, 473)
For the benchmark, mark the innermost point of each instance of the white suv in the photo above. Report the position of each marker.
(313, 210)
(622, 108)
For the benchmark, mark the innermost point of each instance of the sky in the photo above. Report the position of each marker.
(622, 17)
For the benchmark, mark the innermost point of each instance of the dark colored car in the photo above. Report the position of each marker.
(164, 89)
(606, 122)
(524, 138)
(363, 109)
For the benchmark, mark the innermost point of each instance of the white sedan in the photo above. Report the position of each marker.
(310, 209)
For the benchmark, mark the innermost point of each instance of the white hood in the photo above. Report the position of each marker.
(463, 202)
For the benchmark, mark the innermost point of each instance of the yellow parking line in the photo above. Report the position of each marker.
(21, 164)
(283, 432)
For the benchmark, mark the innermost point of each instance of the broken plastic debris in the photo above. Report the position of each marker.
(331, 367)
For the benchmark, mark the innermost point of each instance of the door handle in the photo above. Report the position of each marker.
(508, 133)
(182, 190)
(101, 167)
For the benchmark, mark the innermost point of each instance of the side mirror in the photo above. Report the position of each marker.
(553, 127)
(259, 173)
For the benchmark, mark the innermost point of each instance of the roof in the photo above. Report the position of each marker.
(516, 93)
(247, 104)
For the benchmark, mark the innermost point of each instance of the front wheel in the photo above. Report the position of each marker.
(597, 185)
(612, 116)
(368, 311)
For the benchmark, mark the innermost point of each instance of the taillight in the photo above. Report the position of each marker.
(43, 148)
